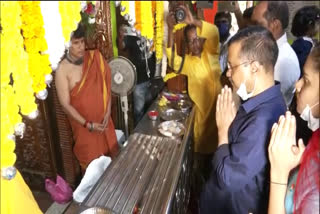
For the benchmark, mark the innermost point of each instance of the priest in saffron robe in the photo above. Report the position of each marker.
(83, 82)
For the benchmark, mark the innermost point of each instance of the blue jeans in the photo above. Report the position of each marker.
(141, 100)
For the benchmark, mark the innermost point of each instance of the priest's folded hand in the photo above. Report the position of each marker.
(97, 127)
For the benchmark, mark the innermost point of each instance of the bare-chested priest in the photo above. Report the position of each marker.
(83, 83)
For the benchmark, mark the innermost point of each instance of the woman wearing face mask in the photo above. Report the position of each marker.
(295, 170)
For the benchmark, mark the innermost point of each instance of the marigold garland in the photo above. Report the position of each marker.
(145, 25)
(159, 30)
(19, 81)
(178, 27)
(35, 43)
(137, 25)
(70, 17)
(147, 20)
(19, 71)
(149, 26)
(153, 13)
(18, 95)
(14, 66)
(126, 6)
(169, 76)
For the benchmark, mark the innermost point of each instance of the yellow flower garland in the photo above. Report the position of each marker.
(125, 4)
(178, 27)
(143, 16)
(18, 73)
(28, 74)
(169, 76)
(147, 19)
(137, 25)
(35, 43)
(145, 22)
(20, 94)
(70, 17)
(159, 30)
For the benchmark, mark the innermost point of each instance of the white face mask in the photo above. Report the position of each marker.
(313, 123)
(242, 91)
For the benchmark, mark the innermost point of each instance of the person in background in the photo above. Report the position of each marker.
(238, 181)
(247, 13)
(145, 64)
(274, 15)
(305, 26)
(201, 66)
(295, 170)
(223, 22)
(243, 20)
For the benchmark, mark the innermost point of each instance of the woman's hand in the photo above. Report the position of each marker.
(284, 155)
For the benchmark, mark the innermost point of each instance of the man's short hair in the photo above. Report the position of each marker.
(257, 44)
(277, 10)
(78, 33)
(304, 20)
(223, 14)
(247, 13)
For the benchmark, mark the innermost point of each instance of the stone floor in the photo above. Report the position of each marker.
(43, 199)
(47, 205)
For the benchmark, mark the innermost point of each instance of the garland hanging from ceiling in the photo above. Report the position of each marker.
(35, 44)
(140, 16)
(29, 53)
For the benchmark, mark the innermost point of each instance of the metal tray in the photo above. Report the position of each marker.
(97, 210)
(183, 105)
(171, 129)
(172, 114)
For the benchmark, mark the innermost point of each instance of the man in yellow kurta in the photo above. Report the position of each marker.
(201, 66)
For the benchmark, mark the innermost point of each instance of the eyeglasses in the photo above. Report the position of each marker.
(222, 22)
(197, 39)
(229, 67)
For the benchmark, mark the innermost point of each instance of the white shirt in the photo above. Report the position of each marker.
(286, 70)
(309, 40)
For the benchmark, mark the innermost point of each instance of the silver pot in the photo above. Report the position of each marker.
(97, 210)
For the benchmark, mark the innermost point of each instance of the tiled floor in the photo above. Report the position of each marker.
(43, 199)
